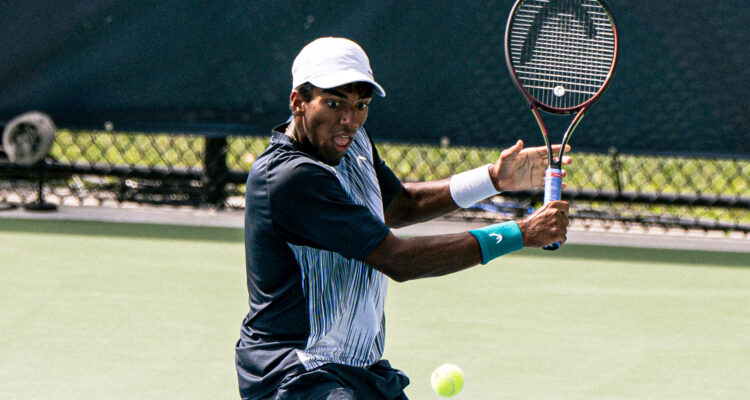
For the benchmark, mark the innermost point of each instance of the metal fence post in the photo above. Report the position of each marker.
(616, 168)
(215, 171)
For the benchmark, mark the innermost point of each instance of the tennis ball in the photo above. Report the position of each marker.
(447, 380)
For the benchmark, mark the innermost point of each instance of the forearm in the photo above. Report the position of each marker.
(419, 202)
(404, 259)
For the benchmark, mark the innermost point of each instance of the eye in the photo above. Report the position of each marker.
(362, 106)
(333, 103)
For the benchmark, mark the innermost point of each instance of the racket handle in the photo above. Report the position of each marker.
(552, 192)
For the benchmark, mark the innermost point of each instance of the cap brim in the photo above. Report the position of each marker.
(343, 78)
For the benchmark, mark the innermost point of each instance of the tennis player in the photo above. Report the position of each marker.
(319, 249)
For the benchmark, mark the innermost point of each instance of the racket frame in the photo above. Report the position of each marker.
(537, 106)
(553, 175)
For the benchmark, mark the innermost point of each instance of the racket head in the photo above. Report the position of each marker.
(561, 54)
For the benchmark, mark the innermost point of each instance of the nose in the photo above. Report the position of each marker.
(347, 117)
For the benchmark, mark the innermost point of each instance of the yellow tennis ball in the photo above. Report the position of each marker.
(447, 380)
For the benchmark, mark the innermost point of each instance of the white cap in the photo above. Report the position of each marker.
(329, 62)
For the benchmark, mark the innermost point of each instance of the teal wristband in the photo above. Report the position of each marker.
(499, 239)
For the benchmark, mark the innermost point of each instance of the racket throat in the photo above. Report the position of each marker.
(552, 162)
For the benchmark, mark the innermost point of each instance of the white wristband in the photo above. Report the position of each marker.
(470, 187)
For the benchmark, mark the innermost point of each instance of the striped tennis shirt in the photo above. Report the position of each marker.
(308, 225)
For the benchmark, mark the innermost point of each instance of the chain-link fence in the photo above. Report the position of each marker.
(110, 169)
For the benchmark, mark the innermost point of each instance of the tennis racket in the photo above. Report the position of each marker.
(561, 55)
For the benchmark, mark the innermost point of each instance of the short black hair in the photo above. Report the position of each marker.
(366, 89)
(305, 90)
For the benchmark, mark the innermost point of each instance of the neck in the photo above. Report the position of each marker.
(290, 131)
(293, 132)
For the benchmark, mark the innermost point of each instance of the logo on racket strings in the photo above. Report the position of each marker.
(564, 12)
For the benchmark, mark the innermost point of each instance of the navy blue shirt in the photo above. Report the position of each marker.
(308, 226)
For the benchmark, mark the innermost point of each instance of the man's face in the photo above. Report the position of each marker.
(327, 124)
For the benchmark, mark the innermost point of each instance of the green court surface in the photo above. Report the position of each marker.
(92, 310)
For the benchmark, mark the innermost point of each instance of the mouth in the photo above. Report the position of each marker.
(342, 142)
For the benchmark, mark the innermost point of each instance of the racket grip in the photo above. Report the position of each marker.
(552, 192)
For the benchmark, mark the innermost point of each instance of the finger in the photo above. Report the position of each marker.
(536, 152)
(565, 208)
(561, 205)
(562, 218)
(556, 148)
(567, 160)
(513, 150)
(516, 148)
(540, 151)
(543, 209)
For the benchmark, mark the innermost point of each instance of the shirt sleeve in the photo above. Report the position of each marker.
(390, 185)
(309, 207)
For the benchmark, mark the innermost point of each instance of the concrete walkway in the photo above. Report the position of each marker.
(580, 232)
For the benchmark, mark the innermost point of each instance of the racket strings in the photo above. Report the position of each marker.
(562, 50)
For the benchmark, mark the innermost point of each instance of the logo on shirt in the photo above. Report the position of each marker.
(497, 237)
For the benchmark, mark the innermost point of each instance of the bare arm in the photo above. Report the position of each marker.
(403, 259)
(419, 202)
(516, 169)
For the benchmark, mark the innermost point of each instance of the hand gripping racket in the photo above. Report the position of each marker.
(561, 55)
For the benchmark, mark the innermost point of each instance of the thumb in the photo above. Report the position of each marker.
(515, 149)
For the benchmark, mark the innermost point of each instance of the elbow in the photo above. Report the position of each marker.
(395, 222)
(397, 217)
(394, 270)
(393, 258)
(398, 276)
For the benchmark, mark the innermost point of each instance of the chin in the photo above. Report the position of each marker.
(333, 160)
(333, 163)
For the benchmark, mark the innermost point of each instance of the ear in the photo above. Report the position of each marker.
(296, 103)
